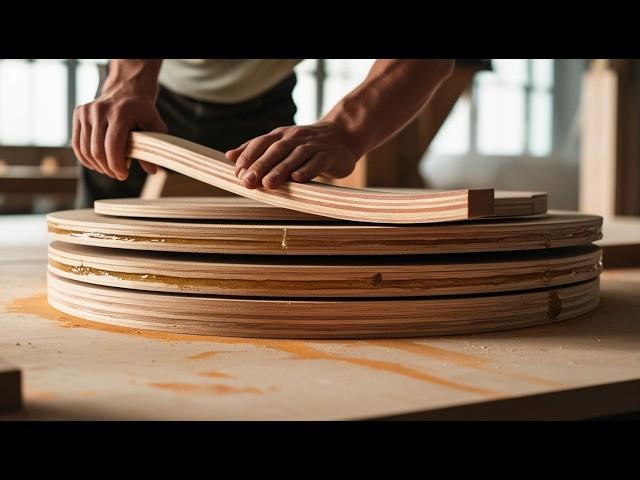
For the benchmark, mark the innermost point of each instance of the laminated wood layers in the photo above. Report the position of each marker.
(320, 318)
(325, 238)
(269, 276)
(212, 167)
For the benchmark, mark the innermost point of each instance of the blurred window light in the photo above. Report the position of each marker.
(454, 135)
(511, 112)
(35, 108)
(15, 102)
(305, 92)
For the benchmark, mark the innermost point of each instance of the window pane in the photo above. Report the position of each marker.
(541, 123)
(15, 102)
(542, 72)
(87, 78)
(92, 61)
(453, 136)
(500, 120)
(349, 67)
(50, 103)
(510, 70)
(304, 93)
(343, 75)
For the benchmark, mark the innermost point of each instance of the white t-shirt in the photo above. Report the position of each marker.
(224, 80)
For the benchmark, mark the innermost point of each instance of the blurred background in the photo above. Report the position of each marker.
(513, 124)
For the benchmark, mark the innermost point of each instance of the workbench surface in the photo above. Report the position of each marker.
(74, 369)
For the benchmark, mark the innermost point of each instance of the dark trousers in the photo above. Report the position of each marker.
(215, 125)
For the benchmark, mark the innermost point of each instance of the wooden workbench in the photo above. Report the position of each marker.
(73, 369)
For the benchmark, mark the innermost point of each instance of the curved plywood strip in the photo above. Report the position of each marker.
(406, 276)
(307, 318)
(325, 238)
(212, 167)
(200, 208)
(506, 204)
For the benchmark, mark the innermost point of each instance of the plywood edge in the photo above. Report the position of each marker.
(480, 203)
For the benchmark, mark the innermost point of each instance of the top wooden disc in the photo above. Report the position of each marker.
(85, 227)
(240, 208)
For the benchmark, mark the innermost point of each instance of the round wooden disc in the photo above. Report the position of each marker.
(506, 203)
(268, 276)
(321, 238)
(307, 318)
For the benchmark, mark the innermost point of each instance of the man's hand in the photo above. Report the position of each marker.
(298, 153)
(101, 128)
(390, 97)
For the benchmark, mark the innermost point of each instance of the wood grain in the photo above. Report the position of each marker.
(212, 167)
(331, 238)
(10, 387)
(268, 276)
(307, 318)
(506, 204)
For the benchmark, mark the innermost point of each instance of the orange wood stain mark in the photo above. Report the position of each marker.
(197, 389)
(457, 358)
(38, 305)
(39, 395)
(213, 373)
(203, 355)
(303, 350)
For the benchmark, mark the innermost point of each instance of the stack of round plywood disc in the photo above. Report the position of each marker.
(237, 267)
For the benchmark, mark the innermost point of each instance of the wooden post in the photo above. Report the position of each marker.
(610, 144)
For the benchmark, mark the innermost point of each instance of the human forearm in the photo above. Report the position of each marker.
(133, 76)
(390, 97)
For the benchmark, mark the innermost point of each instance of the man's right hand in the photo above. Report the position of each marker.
(101, 128)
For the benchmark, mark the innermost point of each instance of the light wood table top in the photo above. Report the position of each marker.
(74, 369)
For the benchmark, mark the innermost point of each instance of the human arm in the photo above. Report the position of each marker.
(391, 95)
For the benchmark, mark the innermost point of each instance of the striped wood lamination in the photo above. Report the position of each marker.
(325, 238)
(320, 318)
(212, 167)
(506, 204)
(269, 276)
